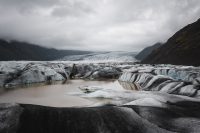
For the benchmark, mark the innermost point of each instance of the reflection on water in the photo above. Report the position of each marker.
(57, 95)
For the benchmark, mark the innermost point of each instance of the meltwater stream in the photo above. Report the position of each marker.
(58, 95)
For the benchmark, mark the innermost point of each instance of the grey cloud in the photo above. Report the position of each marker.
(29, 3)
(76, 9)
(27, 7)
(95, 24)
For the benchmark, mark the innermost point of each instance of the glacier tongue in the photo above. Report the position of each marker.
(103, 57)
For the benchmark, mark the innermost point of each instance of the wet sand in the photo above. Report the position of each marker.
(56, 95)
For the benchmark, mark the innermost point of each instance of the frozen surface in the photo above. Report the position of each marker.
(106, 119)
(103, 57)
(9, 117)
(17, 73)
(151, 82)
(131, 97)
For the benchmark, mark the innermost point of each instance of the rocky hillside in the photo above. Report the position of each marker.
(181, 49)
(15, 50)
(146, 51)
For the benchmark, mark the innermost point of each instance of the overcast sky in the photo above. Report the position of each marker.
(125, 25)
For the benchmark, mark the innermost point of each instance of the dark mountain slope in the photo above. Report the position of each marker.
(146, 51)
(181, 49)
(15, 50)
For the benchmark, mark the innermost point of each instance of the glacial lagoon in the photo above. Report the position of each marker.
(59, 95)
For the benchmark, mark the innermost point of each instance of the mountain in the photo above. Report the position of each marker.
(16, 50)
(181, 49)
(146, 51)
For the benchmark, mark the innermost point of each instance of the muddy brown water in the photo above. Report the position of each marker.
(57, 95)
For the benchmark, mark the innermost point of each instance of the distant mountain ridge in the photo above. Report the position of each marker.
(181, 49)
(146, 51)
(15, 50)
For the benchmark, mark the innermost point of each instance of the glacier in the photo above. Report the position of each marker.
(20, 73)
(115, 56)
(156, 98)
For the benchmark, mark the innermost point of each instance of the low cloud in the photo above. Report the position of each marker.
(95, 24)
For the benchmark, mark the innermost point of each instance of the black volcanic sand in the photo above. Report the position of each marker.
(183, 118)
